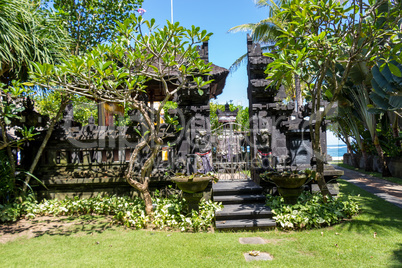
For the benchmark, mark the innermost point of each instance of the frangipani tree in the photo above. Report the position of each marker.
(320, 37)
(88, 23)
(119, 72)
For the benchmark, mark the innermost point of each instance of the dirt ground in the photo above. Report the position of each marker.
(51, 225)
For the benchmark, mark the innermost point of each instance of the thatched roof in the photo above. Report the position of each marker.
(219, 75)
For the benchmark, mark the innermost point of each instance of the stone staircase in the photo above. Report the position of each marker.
(244, 206)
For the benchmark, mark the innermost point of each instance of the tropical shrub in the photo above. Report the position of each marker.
(11, 186)
(7, 182)
(170, 212)
(10, 212)
(49, 102)
(311, 211)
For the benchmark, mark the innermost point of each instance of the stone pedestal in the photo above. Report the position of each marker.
(290, 195)
(193, 200)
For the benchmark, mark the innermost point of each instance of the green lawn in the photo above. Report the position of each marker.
(350, 244)
(374, 174)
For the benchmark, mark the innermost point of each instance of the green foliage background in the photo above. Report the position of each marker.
(48, 103)
(241, 119)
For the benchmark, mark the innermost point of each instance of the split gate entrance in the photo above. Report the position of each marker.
(231, 156)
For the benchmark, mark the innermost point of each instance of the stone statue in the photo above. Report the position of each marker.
(202, 146)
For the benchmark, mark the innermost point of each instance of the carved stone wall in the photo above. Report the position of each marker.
(278, 131)
(91, 158)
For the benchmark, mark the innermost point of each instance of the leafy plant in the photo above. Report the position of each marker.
(48, 103)
(242, 118)
(7, 182)
(10, 212)
(311, 211)
(387, 85)
(170, 212)
(310, 174)
(202, 175)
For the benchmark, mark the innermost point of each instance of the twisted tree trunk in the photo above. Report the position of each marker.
(315, 133)
(316, 143)
(144, 177)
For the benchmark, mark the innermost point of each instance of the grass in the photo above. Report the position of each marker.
(349, 244)
(371, 173)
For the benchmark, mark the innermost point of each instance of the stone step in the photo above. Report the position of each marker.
(236, 188)
(240, 199)
(244, 206)
(243, 211)
(245, 224)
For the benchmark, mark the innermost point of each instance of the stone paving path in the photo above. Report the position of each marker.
(386, 190)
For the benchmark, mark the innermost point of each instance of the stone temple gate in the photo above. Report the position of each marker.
(230, 149)
(85, 160)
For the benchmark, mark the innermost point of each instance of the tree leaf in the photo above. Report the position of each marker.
(28, 84)
(328, 94)
(7, 121)
(380, 101)
(396, 102)
(394, 70)
(106, 65)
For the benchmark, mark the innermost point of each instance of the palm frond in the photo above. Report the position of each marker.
(262, 3)
(235, 65)
(243, 59)
(361, 101)
(345, 114)
(242, 28)
(28, 34)
(265, 32)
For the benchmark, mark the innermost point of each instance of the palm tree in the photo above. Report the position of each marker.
(357, 91)
(362, 101)
(264, 31)
(349, 126)
(28, 34)
(267, 31)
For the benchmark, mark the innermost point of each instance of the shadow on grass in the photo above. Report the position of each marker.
(64, 226)
(398, 257)
(377, 215)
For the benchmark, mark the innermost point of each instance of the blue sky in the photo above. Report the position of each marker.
(217, 16)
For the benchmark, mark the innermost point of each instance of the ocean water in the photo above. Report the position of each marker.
(337, 150)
